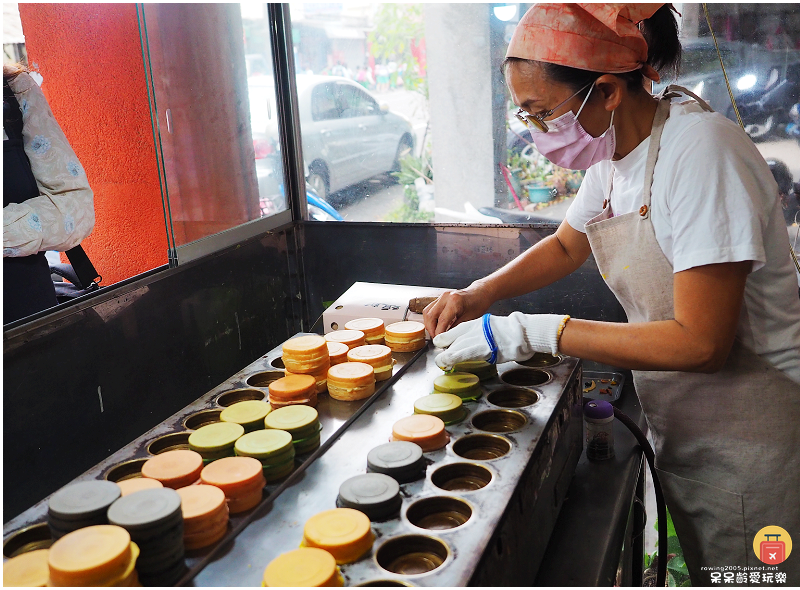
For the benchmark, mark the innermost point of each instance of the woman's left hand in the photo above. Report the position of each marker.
(517, 338)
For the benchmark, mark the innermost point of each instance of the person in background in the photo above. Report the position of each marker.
(47, 201)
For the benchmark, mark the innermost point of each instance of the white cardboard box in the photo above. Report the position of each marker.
(375, 300)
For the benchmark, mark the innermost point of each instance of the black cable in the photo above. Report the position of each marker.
(661, 507)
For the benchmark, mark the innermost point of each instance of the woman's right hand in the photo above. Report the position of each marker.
(454, 307)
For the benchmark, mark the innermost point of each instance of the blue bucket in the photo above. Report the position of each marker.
(541, 194)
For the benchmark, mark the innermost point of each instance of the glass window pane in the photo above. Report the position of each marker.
(396, 99)
(216, 107)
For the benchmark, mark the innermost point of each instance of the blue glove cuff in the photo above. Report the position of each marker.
(487, 332)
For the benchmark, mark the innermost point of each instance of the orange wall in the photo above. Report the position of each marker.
(90, 56)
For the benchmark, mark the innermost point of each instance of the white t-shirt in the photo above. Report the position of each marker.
(713, 200)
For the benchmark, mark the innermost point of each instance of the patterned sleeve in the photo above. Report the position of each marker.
(63, 213)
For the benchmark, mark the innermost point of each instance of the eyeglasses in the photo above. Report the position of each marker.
(537, 122)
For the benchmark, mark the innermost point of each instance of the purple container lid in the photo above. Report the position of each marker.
(598, 409)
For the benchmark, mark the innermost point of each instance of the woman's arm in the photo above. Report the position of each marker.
(544, 263)
(707, 300)
(63, 215)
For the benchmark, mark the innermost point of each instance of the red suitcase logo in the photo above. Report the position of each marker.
(773, 552)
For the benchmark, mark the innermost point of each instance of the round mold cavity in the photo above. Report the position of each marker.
(481, 447)
(439, 513)
(411, 555)
(542, 359)
(229, 398)
(264, 378)
(29, 539)
(277, 363)
(201, 419)
(384, 583)
(126, 470)
(176, 441)
(525, 377)
(461, 477)
(513, 397)
(499, 421)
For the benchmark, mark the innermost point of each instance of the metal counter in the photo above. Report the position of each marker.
(334, 417)
(535, 473)
(512, 516)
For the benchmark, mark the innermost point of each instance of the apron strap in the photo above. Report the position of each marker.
(662, 114)
(674, 90)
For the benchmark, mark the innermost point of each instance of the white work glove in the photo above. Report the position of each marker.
(517, 337)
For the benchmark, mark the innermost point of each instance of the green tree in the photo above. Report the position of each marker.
(396, 27)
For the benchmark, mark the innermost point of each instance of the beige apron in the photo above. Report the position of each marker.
(727, 444)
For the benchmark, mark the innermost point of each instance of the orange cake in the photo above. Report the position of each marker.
(343, 532)
(307, 567)
(129, 486)
(92, 556)
(337, 352)
(373, 328)
(306, 354)
(376, 355)
(351, 381)
(293, 390)
(425, 430)
(351, 338)
(405, 336)
(174, 469)
(240, 478)
(205, 515)
(320, 378)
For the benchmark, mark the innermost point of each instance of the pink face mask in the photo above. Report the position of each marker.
(568, 145)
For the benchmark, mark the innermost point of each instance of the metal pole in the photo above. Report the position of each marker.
(280, 29)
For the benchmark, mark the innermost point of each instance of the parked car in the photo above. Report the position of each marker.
(347, 137)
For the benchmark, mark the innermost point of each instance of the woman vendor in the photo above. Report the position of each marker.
(682, 216)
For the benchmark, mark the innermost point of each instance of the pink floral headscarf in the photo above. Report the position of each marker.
(594, 37)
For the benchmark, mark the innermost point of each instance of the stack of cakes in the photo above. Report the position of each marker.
(215, 441)
(401, 460)
(378, 356)
(464, 385)
(100, 555)
(301, 422)
(374, 494)
(405, 336)
(174, 469)
(80, 505)
(250, 414)
(29, 570)
(293, 390)
(307, 567)
(273, 448)
(308, 355)
(205, 515)
(343, 532)
(351, 338)
(446, 406)
(337, 352)
(373, 328)
(154, 520)
(351, 381)
(241, 479)
(426, 431)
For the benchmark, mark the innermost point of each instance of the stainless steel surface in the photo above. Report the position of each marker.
(280, 527)
(333, 415)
